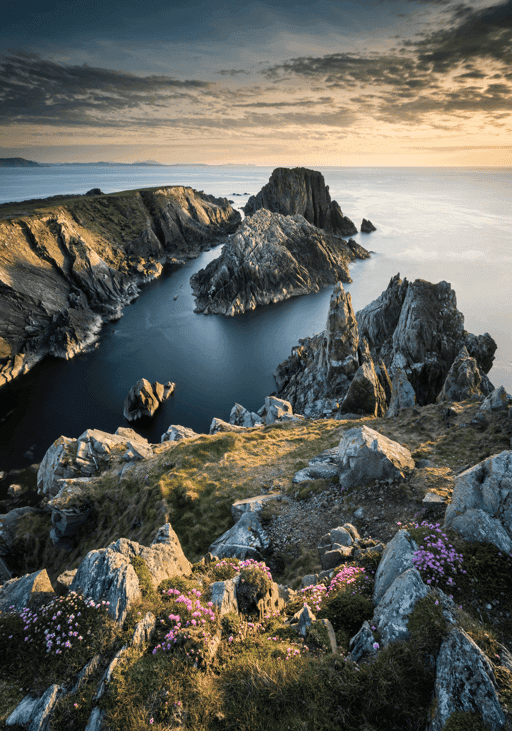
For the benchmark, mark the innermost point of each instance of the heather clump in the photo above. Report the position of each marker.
(436, 559)
(190, 628)
(56, 639)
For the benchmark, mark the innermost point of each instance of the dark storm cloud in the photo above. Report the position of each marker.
(39, 90)
(473, 40)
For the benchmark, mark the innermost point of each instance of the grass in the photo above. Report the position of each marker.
(261, 675)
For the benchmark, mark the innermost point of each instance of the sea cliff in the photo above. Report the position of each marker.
(68, 266)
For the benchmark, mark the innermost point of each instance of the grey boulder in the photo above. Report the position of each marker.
(465, 682)
(175, 433)
(481, 506)
(365, 455)
(396, 558)
(394, 608)
(240, 416)
(25, 591)
(403, 396)
(246, 539)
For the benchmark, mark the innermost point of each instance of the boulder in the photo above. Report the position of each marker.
(496, 401)
(26, 591)
(481, 505)
(144, 398)
(394, 608)
(64, 581)
(107, 574)
(79, 458)
(271, 258)
(35, 712)
(218, 425)
(246, 539)
(176, 433)
(303, 618)
(223, 595)
(403, 396)
(365, 455)
(367, 226)
(397, 557)
(303, 191)
(465, 682)
(70, 509)
(361, 645)
(144, 630)
(277, 409)
(322, 467)
(464, 379)
(239, 416)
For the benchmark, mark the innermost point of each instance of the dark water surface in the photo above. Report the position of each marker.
(452, 224)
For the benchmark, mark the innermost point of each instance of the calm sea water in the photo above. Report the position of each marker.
(451, 224)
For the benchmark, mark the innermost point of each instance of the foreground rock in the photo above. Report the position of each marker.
(302, 191)
(271, 258)
(465, 682)
(480, 509)
(69, 267)
(365, 455)
(246, 539)
(144, 398)
(108, 573)
(27, 591)
(94, 450)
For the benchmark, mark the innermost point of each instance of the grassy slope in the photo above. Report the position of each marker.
(193, 483)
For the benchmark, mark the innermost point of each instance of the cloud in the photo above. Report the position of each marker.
(43, 91)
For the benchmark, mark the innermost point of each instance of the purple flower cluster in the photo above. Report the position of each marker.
(59, 625)
(318, 593)
(188, 614)
(241, 565)
(437, 559)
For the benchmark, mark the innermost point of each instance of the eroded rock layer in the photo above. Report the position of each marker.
(66, 268)
(271, 257)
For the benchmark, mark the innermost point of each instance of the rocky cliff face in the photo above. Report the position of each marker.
(65, 269)
(414, 327)
(302, 191)
(272, 257)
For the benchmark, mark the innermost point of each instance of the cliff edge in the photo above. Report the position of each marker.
(66, 268)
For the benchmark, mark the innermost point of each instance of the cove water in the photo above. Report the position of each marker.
(450, 223)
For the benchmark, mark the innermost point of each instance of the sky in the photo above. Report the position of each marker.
(308, 82)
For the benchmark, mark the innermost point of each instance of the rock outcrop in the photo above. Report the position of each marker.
(412, 328)
(272, 257)
(108, 574)
(318, 375)
(67, 268)
(417, 327)
(299, 190)
(246, 539)
(481, 505)
(144, 398)
(365, 455)
(464, 379)
(367, 226)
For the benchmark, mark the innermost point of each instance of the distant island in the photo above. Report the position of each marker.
(18, 162)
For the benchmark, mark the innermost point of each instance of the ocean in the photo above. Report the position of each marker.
(449, 224)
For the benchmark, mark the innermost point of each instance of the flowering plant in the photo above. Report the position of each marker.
(436, 559)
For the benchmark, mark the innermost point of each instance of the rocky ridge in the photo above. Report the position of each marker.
(270, 258)
(413, 329)
(66, 268)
